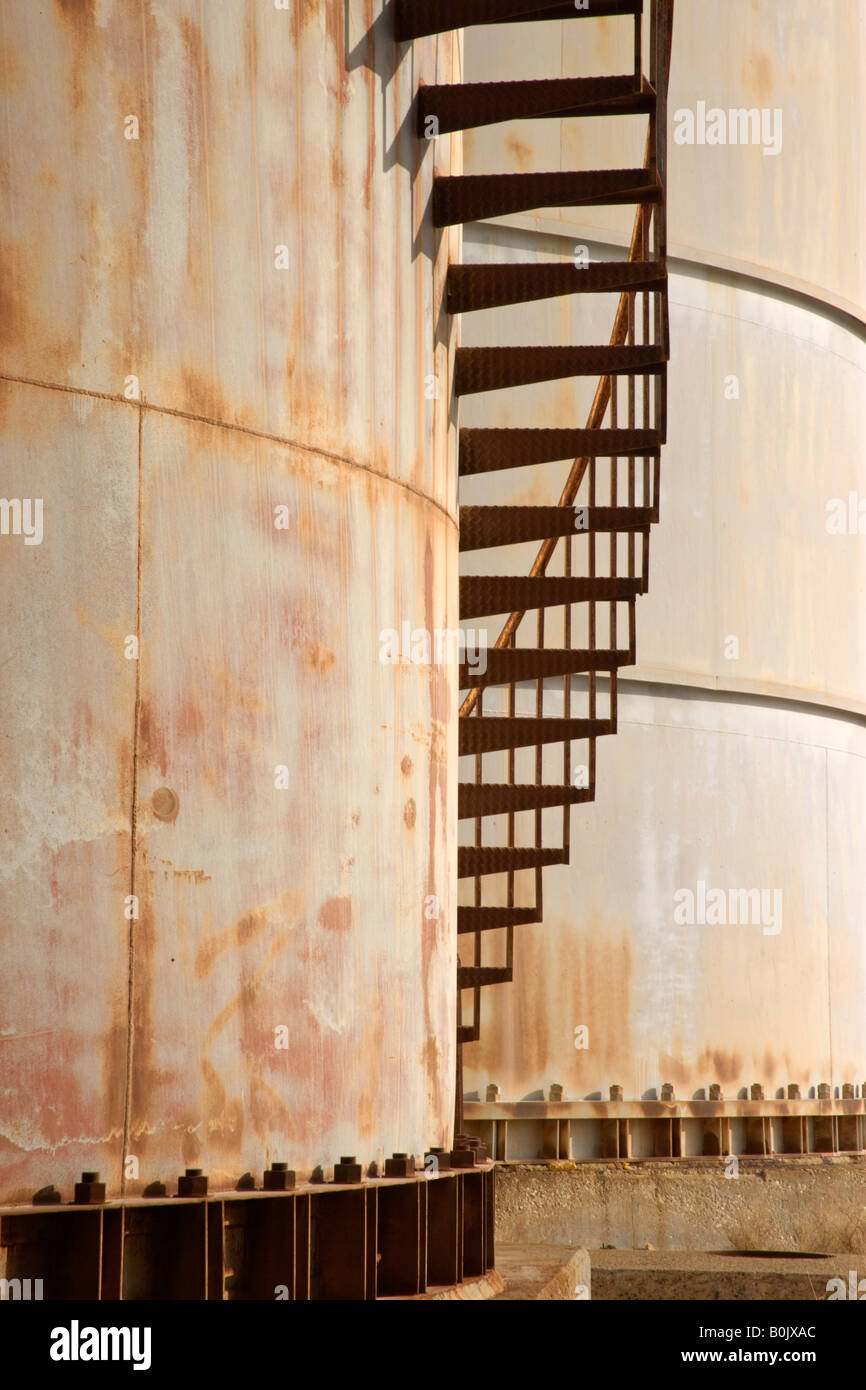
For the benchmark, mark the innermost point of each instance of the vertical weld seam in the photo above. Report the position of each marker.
(130, 1002)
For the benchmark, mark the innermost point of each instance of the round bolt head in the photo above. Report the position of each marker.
(165, 803)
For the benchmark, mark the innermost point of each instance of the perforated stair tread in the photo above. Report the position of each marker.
(495, 368)
(472, 919)
(471, 287)
(488, 450)
(493, 733)
(413, 19)
(484, 527)
(478, 799)
(484, 594)
(505, 665)
(473, 197)
(470, 976)
(465, 105)
(475, 860)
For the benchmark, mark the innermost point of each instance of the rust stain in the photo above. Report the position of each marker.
(674, 1069)
(267, 1109)
(246, 929)
(78, 12)
(587, 982)
(758, 75)
(199, 395)
(367, 1115)
(520, 152)
(224, 1117)
(151, 740)
(335, 914)
(320, 658)
(193, 875)
(190, 724)
(14, 71)
(721, 1066)
(16, 322)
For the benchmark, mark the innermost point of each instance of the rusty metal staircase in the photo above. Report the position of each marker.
(516, 781)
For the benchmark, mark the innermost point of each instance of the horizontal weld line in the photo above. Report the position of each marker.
(144, 404)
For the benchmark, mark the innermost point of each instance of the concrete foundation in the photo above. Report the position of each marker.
(815, 1204)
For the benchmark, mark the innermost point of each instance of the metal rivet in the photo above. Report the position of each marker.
(165, 803)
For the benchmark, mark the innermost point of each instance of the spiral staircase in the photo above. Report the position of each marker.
(568, 624)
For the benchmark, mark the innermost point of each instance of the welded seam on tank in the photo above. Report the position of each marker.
(235, 429)
(689, 263)
(731, 695)
(130, 1002)
(700, 694)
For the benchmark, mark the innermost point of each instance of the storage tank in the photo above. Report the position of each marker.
(228, 913)
(738, 763)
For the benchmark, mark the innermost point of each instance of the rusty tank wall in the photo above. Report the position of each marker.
(739, 766)
(227, 932)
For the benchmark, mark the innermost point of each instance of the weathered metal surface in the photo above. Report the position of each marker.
(261, 259)
(67, 712)
(323, 934)
(721, 771)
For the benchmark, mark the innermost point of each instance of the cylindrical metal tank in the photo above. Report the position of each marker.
(739, 758)
(227, 932)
